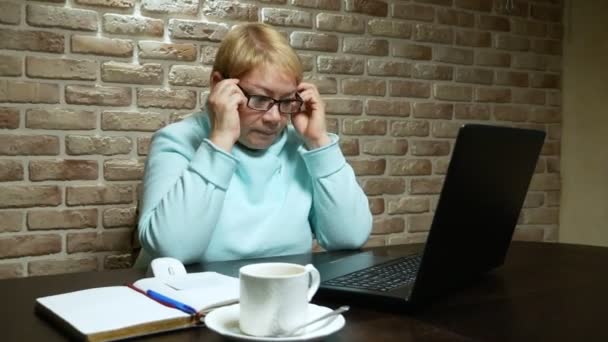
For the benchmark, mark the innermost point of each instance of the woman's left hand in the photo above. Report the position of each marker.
(310, 122)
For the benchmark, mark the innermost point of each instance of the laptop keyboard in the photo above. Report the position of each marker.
(382, 277)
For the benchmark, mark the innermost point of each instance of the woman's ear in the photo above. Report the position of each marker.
(215, 78)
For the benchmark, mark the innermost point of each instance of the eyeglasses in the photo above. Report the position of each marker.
(264, 103)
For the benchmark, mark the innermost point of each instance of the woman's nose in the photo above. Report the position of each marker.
(273, 114)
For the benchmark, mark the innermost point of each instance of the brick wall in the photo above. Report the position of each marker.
(84, 83)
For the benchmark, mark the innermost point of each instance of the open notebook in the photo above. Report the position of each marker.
(117, 312)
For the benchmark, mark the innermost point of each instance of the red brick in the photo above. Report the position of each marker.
(509, 42)
(48, 267)
(426, 186)
(119, 261)
(431, 33)
(538, 80)
(197, 30)
(364, 127)
(359, 86)
(9, 118)
(491, 58)
(512, 78)
(528, 28)
(343, 106)
(447, 16)
(60, 119)
(380, 67)
(61, 17)
(40, 170)
(546, 115)
(61, 219)
(430, 148)
(98, 95)
(406, 128)
(472, 111)
(332, 5)
(433, 110)
(408, 205)
(349, 146)
(473, 38)
(185, 7)
(102, 46)
(387, 108)
(123, 169)
(12, 270)
(493, 95)
(368, 167)
(388, 225)
(344, 23)
(529, 96)
(381, 147)
(376, 205)
(149, 73)
(132, 121)
(419, 223)
(380, 27)
(10, 65)
(474, 75)
(511, 113)
(11, 221)
(232, 10)
(453, 55)
(494, 23)
(340, 65)
(10, 170)
(133, 25)
(534, 200)
(386, 185)
(41, 41)
(448, 92)
(528, 234)
(371, 7)
(119, 4)
(90, 194)
(104, 145)
(271, 16)
(28, 92)
(413, 12)
(143, 145)
(409, 167)
(189, 75)
(23, 196)
(119, 217)
(10, 13)
(166, 51)
(409, 89)
(546, 13)
(29, 245)
(115, 240)
(445, 129)
(314, 41)
(476, 5)
(412, 51)
(166, 98)
(432, 72)
(545, 182)
(547, 46)
(32, 145)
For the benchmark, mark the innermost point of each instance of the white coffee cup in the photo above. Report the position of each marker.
(274, 297)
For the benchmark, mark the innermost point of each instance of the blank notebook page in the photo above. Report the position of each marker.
(107, 308)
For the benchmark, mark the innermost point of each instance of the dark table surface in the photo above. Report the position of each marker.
(544, 292)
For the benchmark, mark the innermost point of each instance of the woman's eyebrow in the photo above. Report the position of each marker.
(267, 92)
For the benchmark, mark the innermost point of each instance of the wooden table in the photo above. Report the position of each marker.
(544, 292)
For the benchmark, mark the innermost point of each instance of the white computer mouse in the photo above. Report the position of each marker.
(167, 267)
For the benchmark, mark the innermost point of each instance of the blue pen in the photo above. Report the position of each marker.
(171, 302)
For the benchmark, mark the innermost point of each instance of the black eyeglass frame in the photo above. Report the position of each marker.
(274, 101)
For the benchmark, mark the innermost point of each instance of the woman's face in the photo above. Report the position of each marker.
(259, 129)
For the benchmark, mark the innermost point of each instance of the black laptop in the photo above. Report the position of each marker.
(482, 195)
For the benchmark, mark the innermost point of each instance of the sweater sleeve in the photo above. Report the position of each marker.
(183, 194)
(340, 214)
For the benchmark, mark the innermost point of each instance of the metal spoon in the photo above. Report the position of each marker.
(320, 318)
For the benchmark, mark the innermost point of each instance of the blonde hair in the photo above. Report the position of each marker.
(251, 45)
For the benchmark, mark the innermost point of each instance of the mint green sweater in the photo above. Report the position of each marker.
(201, 204)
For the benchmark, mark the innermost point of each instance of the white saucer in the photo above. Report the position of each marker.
(225, 321)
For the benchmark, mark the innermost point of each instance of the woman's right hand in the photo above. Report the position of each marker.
(223, 103)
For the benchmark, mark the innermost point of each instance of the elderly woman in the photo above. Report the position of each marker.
(238, 180)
